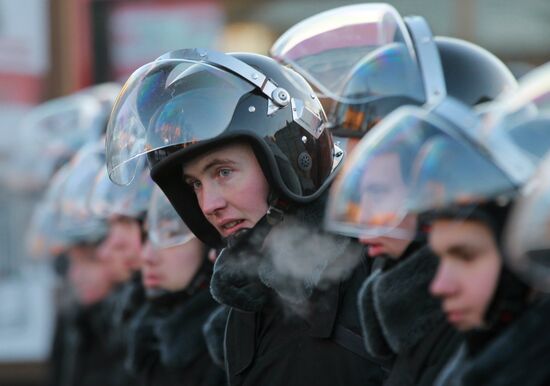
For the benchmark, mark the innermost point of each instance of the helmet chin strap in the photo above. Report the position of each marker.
(276, 209)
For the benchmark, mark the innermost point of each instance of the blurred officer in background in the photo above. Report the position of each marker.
(80, 345)
(397, 62)
(124, 209)
(238, 144)
(166, 344)
(365, 60)
(501, 316)
(462, 177)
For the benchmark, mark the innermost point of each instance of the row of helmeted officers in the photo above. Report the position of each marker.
(368, 206)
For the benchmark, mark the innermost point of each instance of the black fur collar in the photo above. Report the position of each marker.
(174, 336)
(396, 309)
(180, 333)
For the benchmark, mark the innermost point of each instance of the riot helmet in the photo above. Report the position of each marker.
(441, 158)
(188, 101)
(62, 218)
(55, 130)
(390, 61)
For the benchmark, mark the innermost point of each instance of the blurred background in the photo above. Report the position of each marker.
(51, 48)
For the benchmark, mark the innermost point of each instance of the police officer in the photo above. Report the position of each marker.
(464, 176)
(367, 61)
(81, 353)
(166, 345)
(124, 210)
(238, 143)
(478, 280)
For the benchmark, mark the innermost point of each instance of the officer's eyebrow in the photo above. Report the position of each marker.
(217, 162)
(460, 250)
(211, 164)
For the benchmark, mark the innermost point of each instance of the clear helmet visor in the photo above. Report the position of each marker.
(412, 162)
(524, 115)
(168, 102)
(369, 197)
(347, 54)
(528, 231)
(165, 227)
(107, 199)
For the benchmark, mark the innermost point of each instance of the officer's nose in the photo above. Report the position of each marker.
(147, 254)
(211, 200)
(443, 284)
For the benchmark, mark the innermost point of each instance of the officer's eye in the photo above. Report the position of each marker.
(193, 183)
(224, 172)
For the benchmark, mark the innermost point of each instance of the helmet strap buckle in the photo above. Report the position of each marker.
(276, 211)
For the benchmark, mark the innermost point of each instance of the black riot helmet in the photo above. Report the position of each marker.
(366, 60)
(189, 101)
(471, 74)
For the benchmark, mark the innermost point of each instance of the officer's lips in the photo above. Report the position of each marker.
(455, 317)
(375, 249)
(151, 280)
(230, 226)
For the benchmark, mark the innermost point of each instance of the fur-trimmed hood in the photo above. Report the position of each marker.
(518, 356)
(395, 307)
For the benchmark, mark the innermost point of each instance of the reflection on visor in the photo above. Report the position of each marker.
(166, 228)
(370, 196)
(169, 102)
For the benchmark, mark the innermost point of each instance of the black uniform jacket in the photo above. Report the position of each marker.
(321, 347)
(518, 355)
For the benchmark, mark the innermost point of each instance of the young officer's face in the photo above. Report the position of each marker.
(172, 268)
(230, 186)
(468, 270)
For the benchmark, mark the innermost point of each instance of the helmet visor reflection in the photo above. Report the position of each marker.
(370, 197)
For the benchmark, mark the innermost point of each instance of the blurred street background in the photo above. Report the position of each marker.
(51, 48)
